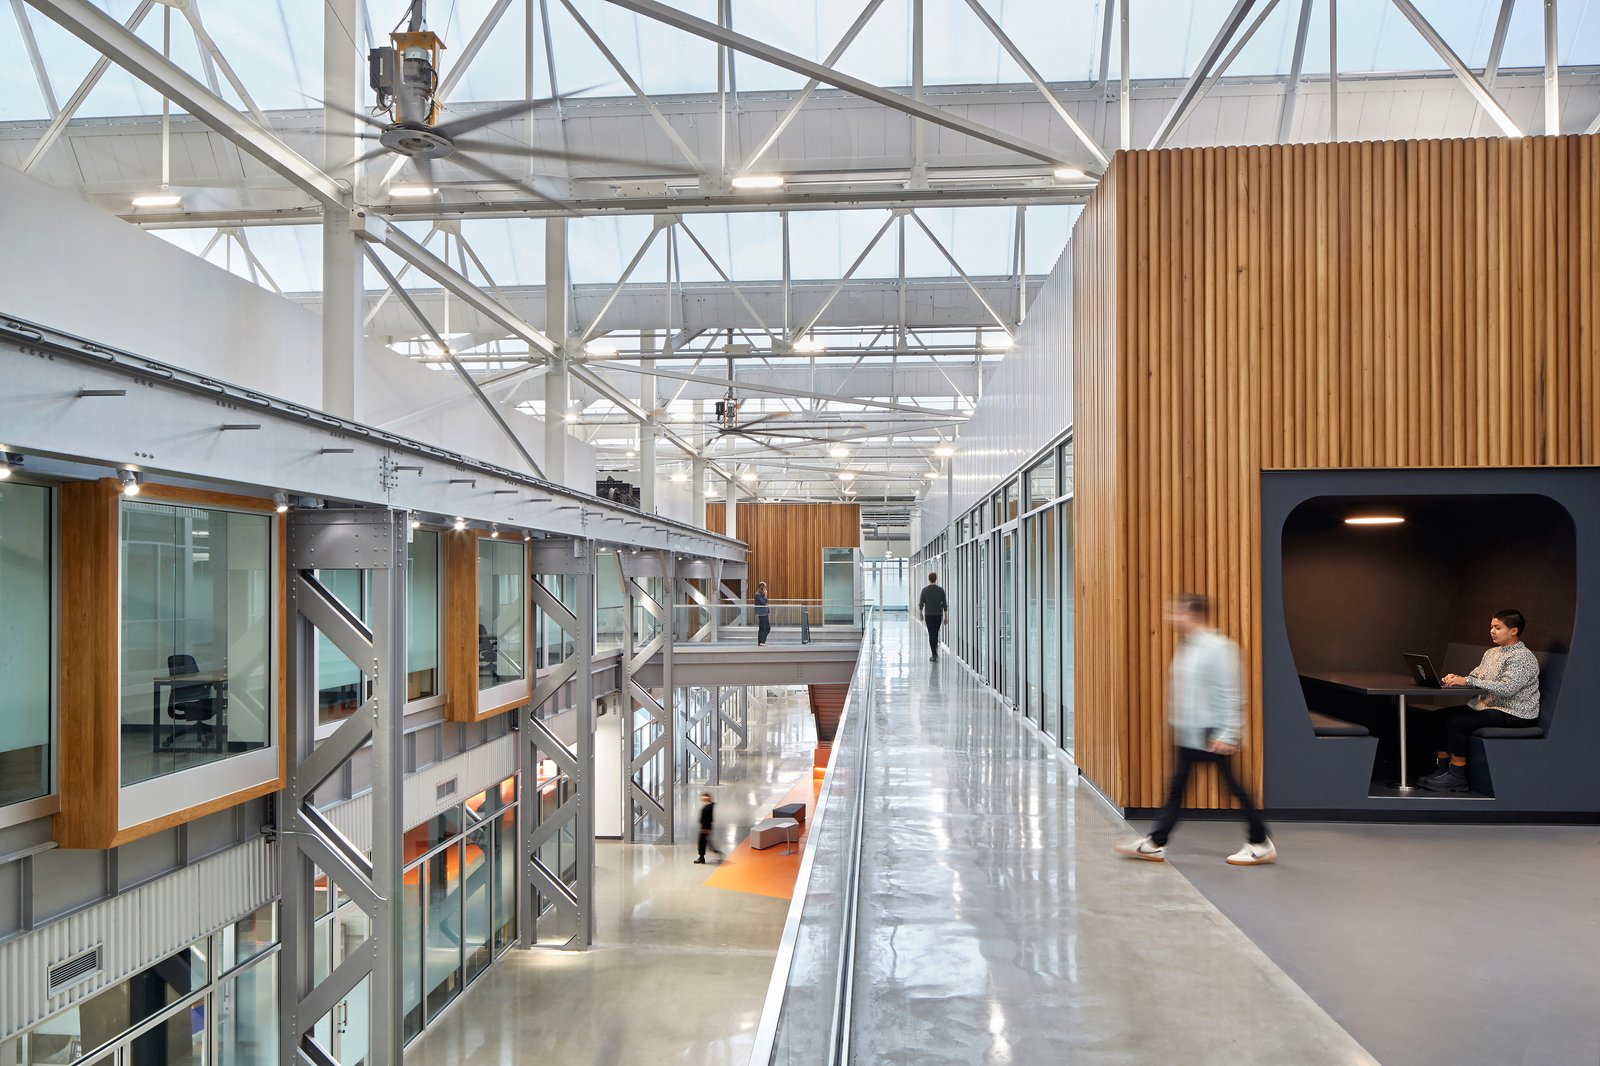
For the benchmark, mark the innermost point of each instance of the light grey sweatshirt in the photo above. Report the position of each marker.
(1510, 676)
(1203, 699)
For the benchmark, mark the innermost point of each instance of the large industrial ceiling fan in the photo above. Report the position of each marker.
(404, 76)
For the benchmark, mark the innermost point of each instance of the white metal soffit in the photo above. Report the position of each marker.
(933, 154)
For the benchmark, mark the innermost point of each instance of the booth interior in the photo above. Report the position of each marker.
(1362, 568)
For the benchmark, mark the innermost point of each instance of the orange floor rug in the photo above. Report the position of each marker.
(769, 872)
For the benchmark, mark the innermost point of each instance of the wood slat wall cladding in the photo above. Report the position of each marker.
(1393, 304)
(786, 542)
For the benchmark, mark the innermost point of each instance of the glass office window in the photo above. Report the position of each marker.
(555, 644)
(246, 1013)
(1035, 620)
(1049, 592)
(1013, 500)
(26, 624)
(441, 935)
(247, 938)
(339, 687)
(1042, 482)
(477, 926)
(197, 637)
(505, 868)
(422, 615)
(502, 611)
(1068, 625)
(609, 604)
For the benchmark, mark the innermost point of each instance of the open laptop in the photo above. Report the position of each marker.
(1421, 670)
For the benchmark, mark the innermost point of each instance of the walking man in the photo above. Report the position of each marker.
(935, 610)
(1203, 704)
(708, 808)
(763, 614)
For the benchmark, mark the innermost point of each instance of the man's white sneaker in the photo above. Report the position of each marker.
(1143, 848)
(1254, 854)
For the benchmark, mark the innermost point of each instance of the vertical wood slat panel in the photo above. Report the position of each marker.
(1425, 304)
(786, 542)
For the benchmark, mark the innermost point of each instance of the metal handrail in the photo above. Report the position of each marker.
(859, 700)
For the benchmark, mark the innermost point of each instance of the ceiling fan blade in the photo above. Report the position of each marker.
(765, 418)
(494, 175)
(468, 123)
(370, 154)
(517, 148)
(341, 109)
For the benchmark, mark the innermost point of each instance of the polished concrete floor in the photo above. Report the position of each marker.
(678, 971)
(997, 925)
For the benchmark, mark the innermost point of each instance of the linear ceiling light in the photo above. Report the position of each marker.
(412, 192)
(1071, 174)
(809, 344)
(1371, 516)
(758, 181)
(157, 199)
(996, 342)
(944, 451)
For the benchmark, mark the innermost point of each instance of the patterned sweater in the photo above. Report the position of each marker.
(1510, 676)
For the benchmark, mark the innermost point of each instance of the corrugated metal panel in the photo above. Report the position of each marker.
(474, 770)
(1025, 405)
(134, 930)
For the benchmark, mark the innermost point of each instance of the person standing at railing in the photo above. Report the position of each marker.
(763, 614)
(935, 608)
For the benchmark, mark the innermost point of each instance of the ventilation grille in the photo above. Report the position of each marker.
(446, 788)
(75, 970)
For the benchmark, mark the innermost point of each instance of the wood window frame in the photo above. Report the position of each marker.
(463, 699)
(89, 663)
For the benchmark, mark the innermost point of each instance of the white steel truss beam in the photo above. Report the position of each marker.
(670, 16)
(1468, 79)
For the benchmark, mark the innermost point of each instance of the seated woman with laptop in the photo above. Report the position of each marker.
(1509, 677)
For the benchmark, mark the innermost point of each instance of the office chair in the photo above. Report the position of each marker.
(195, 704)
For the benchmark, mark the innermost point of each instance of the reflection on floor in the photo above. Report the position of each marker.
(998, 926)
(679, 970)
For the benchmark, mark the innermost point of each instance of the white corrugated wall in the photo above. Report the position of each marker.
(1026, 404)
(134, 930)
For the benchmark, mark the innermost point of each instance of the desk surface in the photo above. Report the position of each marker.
(1387, 683)
(197, 679)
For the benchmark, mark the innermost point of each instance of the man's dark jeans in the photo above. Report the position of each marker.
(934, 621)
(1187, 759)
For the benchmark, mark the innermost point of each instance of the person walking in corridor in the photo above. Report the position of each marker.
(935, 608)
(1203, 704)
(708, 807)
(763, 614)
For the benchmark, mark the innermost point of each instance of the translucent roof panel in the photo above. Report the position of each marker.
(276, 45)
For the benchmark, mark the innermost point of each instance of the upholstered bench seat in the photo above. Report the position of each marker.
(770, 831)
(1328, 726)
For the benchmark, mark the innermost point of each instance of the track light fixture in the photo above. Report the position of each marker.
(131, 482)
(280, 500)
(416, 523)
(461, 523)
(9, 461)
(494, 530)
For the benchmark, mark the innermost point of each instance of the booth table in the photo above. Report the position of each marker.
(1398, 685)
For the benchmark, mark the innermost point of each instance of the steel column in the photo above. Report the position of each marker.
(373, 540)
(572, 680)
(649, 808)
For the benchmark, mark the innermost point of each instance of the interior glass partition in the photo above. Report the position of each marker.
(422, 615)
(502, 612)
(27, 622)
(197, 624)
(1008, 600)
(1048, 589)
(1068, 624)
(1033, 594)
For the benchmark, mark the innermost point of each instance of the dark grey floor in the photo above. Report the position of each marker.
(1432, 945)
